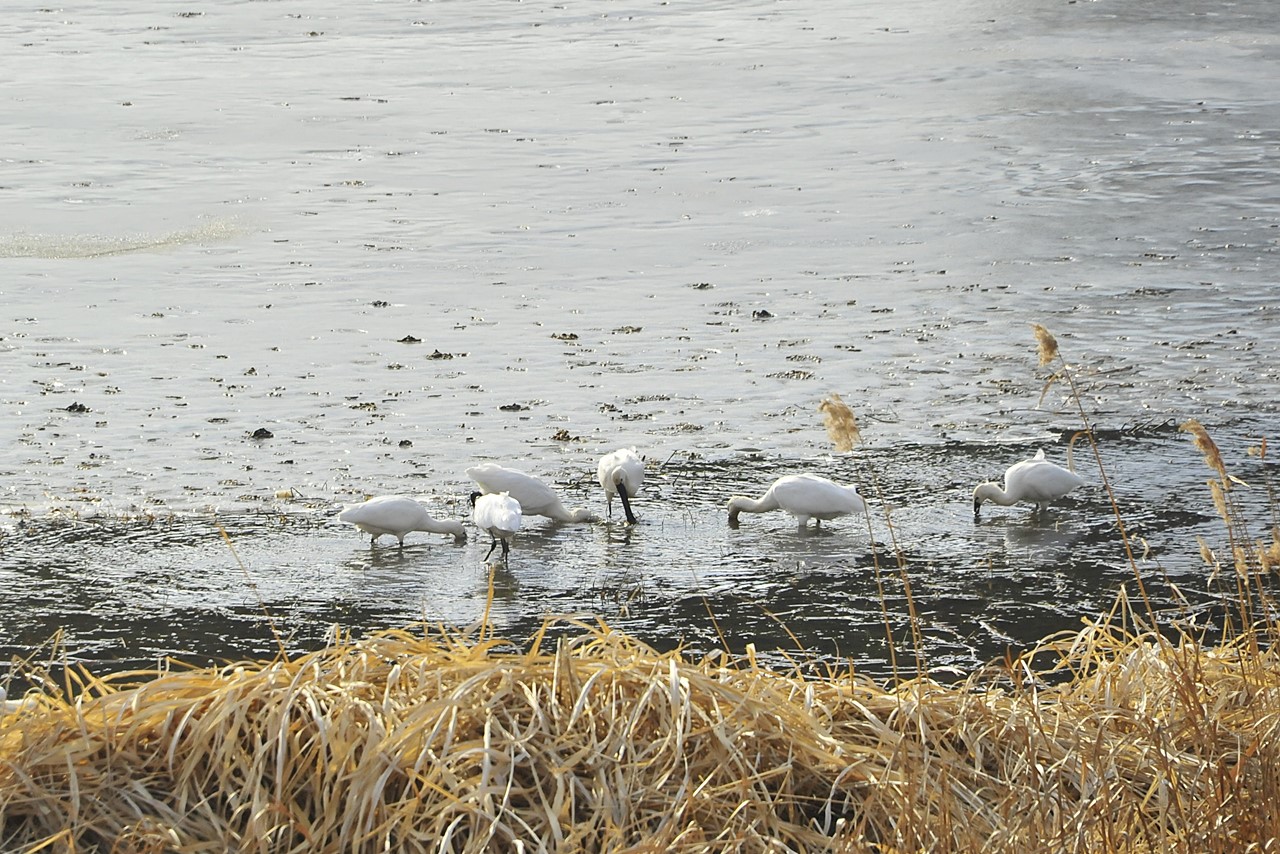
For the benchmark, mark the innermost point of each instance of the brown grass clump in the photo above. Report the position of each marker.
(842, 426)
(409, 742)
(1046, 344)
(1206, 446)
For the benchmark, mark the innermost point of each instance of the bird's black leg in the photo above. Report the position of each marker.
(492, 547)
(626, 503)
(506, 547)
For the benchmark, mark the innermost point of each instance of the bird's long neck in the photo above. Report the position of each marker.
(995, 493)
(564, 514)
(1071, 446)
(742, 504)
(442, 526)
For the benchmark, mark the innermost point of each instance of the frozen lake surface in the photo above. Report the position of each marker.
(395, 240)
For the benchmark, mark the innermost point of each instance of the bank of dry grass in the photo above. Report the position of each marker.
(404, 741)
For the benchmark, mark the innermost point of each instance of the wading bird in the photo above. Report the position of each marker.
(621, 472)
(803, 496)
(398, 515)
(1036, 480)
(498, 515)
(535, 497)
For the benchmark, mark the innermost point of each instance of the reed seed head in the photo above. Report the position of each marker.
(1206, 446)
(1046, 344)
(1206, 553)
(841, 426)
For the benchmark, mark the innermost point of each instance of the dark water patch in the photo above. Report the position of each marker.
(129, 592)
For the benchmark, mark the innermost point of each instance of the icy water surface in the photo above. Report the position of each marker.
(261, 259)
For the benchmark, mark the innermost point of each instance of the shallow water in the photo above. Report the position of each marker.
(413, 236)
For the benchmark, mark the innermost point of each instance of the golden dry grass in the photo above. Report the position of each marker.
(1046, 344)
(404, 741)
(842, 426)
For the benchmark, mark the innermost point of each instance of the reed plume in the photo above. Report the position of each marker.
(1208, 448)
(842, 426)
(1046, 344)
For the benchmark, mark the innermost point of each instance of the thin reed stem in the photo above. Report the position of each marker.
(1048, 349)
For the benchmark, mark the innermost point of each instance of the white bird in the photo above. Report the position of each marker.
(1036, 480)
(621, 473)
(498, 515)
(398, 515)
(803, 496)
(535, 497)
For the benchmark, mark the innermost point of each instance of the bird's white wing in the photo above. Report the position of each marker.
(1041, 480)
(524, 488)
(390, 512)
(810, 495)
(498, 511)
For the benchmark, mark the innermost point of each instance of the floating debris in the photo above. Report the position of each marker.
(409, 339)
(262, 433)
(564, 336)
(513, 407)
(77, 407)
(761, 314)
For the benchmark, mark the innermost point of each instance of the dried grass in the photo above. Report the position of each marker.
(406, 741)
(1046, 344)
(842, 426)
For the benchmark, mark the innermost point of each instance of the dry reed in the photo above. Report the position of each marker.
(411, 741)
(842, 426)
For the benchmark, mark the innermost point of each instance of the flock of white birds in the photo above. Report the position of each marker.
(506, 495)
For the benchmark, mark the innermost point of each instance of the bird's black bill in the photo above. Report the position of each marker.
(977, 508)
(626, 503)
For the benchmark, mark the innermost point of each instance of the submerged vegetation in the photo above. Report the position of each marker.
(1127, 735)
